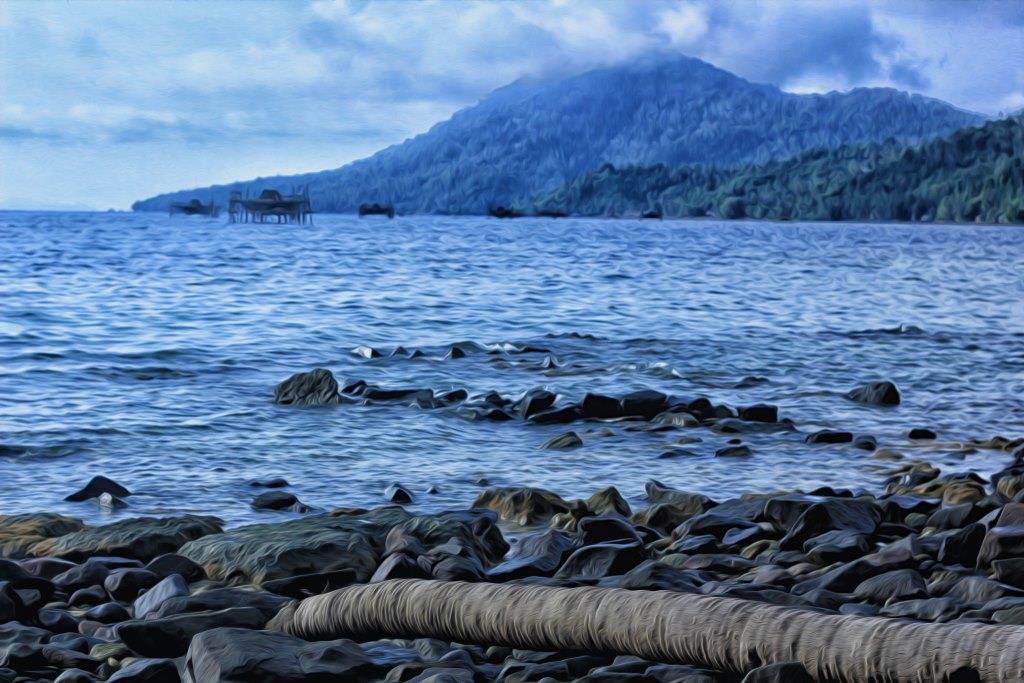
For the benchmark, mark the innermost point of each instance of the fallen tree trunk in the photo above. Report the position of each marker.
(726, 634)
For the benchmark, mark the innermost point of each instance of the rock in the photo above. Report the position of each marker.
(567, 440)
(218, 599)
(29, 657)
(12, 632)
(865, 442)
(275, 500)
(91, 573)
(399, 566)
(955, 516)
(563, 415)
(829, 436)
(686, 503)
(126, 584)
(762, 412)
(147, 671)
(963, 546)
(608, 501)
(397, 493)
(141, 538)
(46, 567)
(601, 560)
(107, 613)
(600, 407)
(272, 483)
(539, 554)
(535, 401)
(846, 514)
(931, 609)
(98, 485)
(305, 585)
(57, 621)
(67, 676)
(171, 587)
(314, 388)
(786, 672)
(645, 403)
(170, 636)
(876, 393)
(592, 530)
(85, 597)
(1010, 570)
(172, 563)
(20, 533)
(1001, 542)
(367, 352)
(523, 505)
(836, 546)
(901, 584)
(231, 655)
(922, 434)
(739, 451)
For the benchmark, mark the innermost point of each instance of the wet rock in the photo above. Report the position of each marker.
(829, 436)
(57, 621)
(12, 632)
(277, 500)
(608, 501)
(645, 403)
(399, 566)
(876, 393)
(218, 599)
(564, 441)
(539, 554)
(272, 483)
(20, 533)
(397, 493)
(600, 407)
(922, 434)
(865, 442)
(66, 676)
(172, 563)
(141, 538)
(1001, 542)
(29, 657)
(535, 401)
(523, 505)
(147, 671)
(738, 451)
(901, 584)
(107, 613)
(836, 546)
(90, 573)
(314, 388)
(46, 567)
(171, 587)
(84, 597)
(963, 546)
(367, 352)
(930, 609)
(563, 415)
(96, 487)
(170, 636)
(1010, 571)
(762, 412)
(832, 514)
(602, 559)
(786, 672)
(229, 655)
(593, 530)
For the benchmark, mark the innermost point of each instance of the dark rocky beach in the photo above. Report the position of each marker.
(182, 598)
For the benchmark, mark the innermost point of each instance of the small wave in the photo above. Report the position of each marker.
(902, 329)
(144, 374)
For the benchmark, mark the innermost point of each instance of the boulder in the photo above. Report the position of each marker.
(829, 436)
(922, 434)
(172, 587)
(126, 584)
(523, 505)
(645, 403)
(141, 538)
(219, 599)
(107, 613)
(314, 388)
(396, 493)
(563, 415)
(539, 554)
(600, 407)
(172, 563)
(19, 533)
(564, 441)
(875, 393)
(901, 584)
(232, 655)
(535, 401)
(146, 671)
(305, 585)
(608, 501)
(601, 560)
(170, 636)
(96, 487)
(762, 412)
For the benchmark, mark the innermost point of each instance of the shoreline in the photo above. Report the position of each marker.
(166, 595)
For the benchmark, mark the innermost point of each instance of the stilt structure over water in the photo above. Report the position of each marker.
(271, 204)
(195, 207)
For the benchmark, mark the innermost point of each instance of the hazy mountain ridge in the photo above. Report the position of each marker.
(532, 136)
(974, 174)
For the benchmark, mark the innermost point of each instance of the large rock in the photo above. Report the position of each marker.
(232, 655)
(602, 559)
(172, 587)
(539, 554)
(876, 393)
(147, 671)
(96, 487)
(170, 636)
(670, 507)
(219, 599)
(523, 505)
(901, 584)
(19, 533)
(141, 538)
(645, 403)
(314, 388)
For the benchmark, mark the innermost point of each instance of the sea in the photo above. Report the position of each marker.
(146, 348)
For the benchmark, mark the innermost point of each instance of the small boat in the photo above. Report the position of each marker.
(653, 213)
(376, 209)
(194, 207)
(503, 212)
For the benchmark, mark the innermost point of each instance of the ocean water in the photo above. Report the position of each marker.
(147, 348)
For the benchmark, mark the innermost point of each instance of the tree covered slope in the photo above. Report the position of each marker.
(974, 174)
(532, 136)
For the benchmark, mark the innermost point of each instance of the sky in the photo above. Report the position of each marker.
(103, 102)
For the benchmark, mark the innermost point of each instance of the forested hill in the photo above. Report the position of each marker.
(532, 136)
(973, 175)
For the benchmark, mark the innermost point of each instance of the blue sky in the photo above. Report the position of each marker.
(105, 102)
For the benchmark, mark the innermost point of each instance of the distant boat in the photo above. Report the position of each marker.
(653, 213)
(503, 212)
(194, 207)
(271, 204)
(376, 209)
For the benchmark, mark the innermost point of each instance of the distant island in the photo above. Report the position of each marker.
(678, 137)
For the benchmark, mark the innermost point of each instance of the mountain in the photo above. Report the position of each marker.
(532, 136)
(972, 175)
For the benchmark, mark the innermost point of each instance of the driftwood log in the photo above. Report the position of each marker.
(726, 634)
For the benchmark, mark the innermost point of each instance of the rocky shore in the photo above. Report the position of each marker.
(184, 599)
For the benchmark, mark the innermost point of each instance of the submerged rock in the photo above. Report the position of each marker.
(876, 393)
(314, 388)
(96, 487)
(397, 493)
(564, 441)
